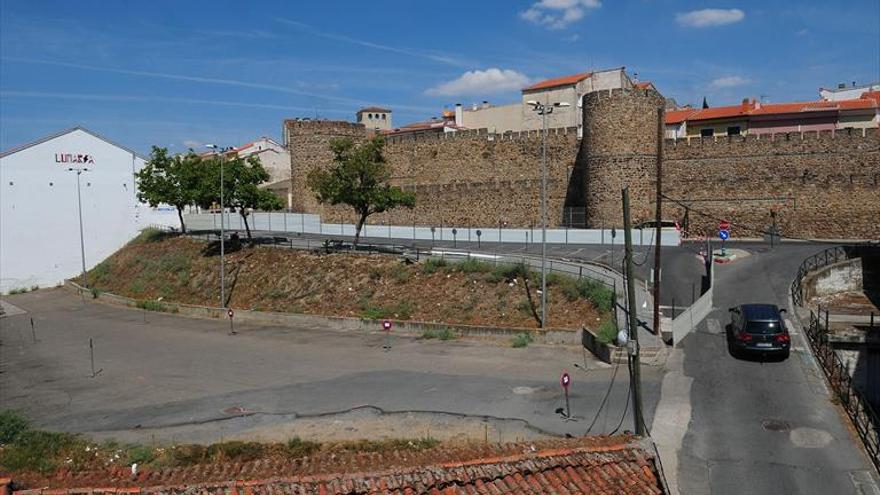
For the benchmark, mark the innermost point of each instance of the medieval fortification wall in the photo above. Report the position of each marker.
(823, 185)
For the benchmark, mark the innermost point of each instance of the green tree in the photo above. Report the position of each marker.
(359, 178)
(171, 180)
(241, 191)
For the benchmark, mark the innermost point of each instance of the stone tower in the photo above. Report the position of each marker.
(619, 148)
(309, 145)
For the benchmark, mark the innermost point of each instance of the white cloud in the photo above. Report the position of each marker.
(189, 143)
(709, 17)
(729, 82)
(481, 81)
(557, 14)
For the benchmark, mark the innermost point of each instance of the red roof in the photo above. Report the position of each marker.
(559, 81)
(871, 95)
(750, 109)
(644, 85)
(582, 465)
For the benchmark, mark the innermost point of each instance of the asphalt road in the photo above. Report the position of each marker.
(189, 376)
(762, 427)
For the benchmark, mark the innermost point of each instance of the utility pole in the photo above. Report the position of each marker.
(658, 219)
(635, 372)
(219, 152)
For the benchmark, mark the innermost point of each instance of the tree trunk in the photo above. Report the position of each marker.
(180, 216)
(357, 230)
(246, 226)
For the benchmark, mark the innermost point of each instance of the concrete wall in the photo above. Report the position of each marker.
(845, 276)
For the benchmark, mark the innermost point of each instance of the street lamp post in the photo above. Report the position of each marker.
(543, 109)
(82, 243)
(220, 152)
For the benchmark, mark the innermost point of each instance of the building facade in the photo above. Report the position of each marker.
(844, 92)
(276, 160)
(39, 221)
(375, 118)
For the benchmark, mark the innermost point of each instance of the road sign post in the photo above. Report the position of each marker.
(724, 234)
(566, 381)
(386, 325)
(231, 314)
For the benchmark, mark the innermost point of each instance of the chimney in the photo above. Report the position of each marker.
(459, 115)
(841, 86)
(485, 104)
(474, 106)
(744, 107)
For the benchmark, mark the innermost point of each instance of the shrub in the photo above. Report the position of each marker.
(371, 312)
(12, 424)
(607, 332)
(431, 265)
(510, 272)
(187, 455)
(445, 334)
(151, 305)
(301, 448)
(525, 307)
(400, 273)
(235, 451)
(474, 266)
(404, 310)
(36, 450)
(375, 272)
(522, 340)
(95, 292)
(140, 454)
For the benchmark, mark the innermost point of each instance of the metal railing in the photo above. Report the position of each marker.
(819, 260)
(864, 418)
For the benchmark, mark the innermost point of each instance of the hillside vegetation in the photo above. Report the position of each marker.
(180, 269)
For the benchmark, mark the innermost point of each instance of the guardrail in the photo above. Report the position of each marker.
(312, 224)
(864, 418)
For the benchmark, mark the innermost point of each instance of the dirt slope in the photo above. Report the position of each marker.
(375, 286)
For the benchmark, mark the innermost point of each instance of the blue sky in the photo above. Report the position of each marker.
(180, 74)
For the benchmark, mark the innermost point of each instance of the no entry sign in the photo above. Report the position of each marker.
(230, 313)
(723, 225)
(386, 325)
(565, 380)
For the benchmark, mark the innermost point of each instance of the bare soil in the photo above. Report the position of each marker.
(179, 269)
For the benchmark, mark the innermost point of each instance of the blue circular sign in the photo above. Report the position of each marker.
(724, 234)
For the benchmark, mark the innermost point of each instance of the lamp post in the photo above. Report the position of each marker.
(219, 151)
(82, 244)
(543, 109)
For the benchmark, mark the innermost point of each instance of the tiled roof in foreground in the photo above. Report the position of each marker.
(584, 465)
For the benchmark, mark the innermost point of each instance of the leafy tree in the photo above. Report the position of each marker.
(359, 179)
(241, 191)
(169, 180)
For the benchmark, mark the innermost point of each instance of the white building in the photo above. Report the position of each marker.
(521, 116)
(844, 92)
(375, 118)
(39, 223)
(276, 160)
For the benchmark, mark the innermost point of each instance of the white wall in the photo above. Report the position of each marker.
(39, 228)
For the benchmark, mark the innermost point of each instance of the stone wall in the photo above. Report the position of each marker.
(817, 184)
(462, 178)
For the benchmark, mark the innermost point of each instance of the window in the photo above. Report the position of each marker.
(383, 116)
(733, 130)
(707, 132)
(370, 116)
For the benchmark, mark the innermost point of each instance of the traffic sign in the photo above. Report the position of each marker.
(723, 225)
(724, 234)
(565, 380)
(230, 313)
(386, 325)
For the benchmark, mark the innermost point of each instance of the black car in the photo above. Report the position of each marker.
(758, 328)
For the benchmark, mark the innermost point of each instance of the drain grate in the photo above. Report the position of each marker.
(775, 425)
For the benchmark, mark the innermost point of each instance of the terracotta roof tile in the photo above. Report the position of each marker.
(584, 465)
(559, 81)
(752, 109)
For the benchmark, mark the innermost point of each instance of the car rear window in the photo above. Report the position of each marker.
(763, 327)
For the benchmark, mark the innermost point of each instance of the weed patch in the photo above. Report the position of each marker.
(607, 332)
(522, 340)
(445, 334)
(432, 265)
(150, 305)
